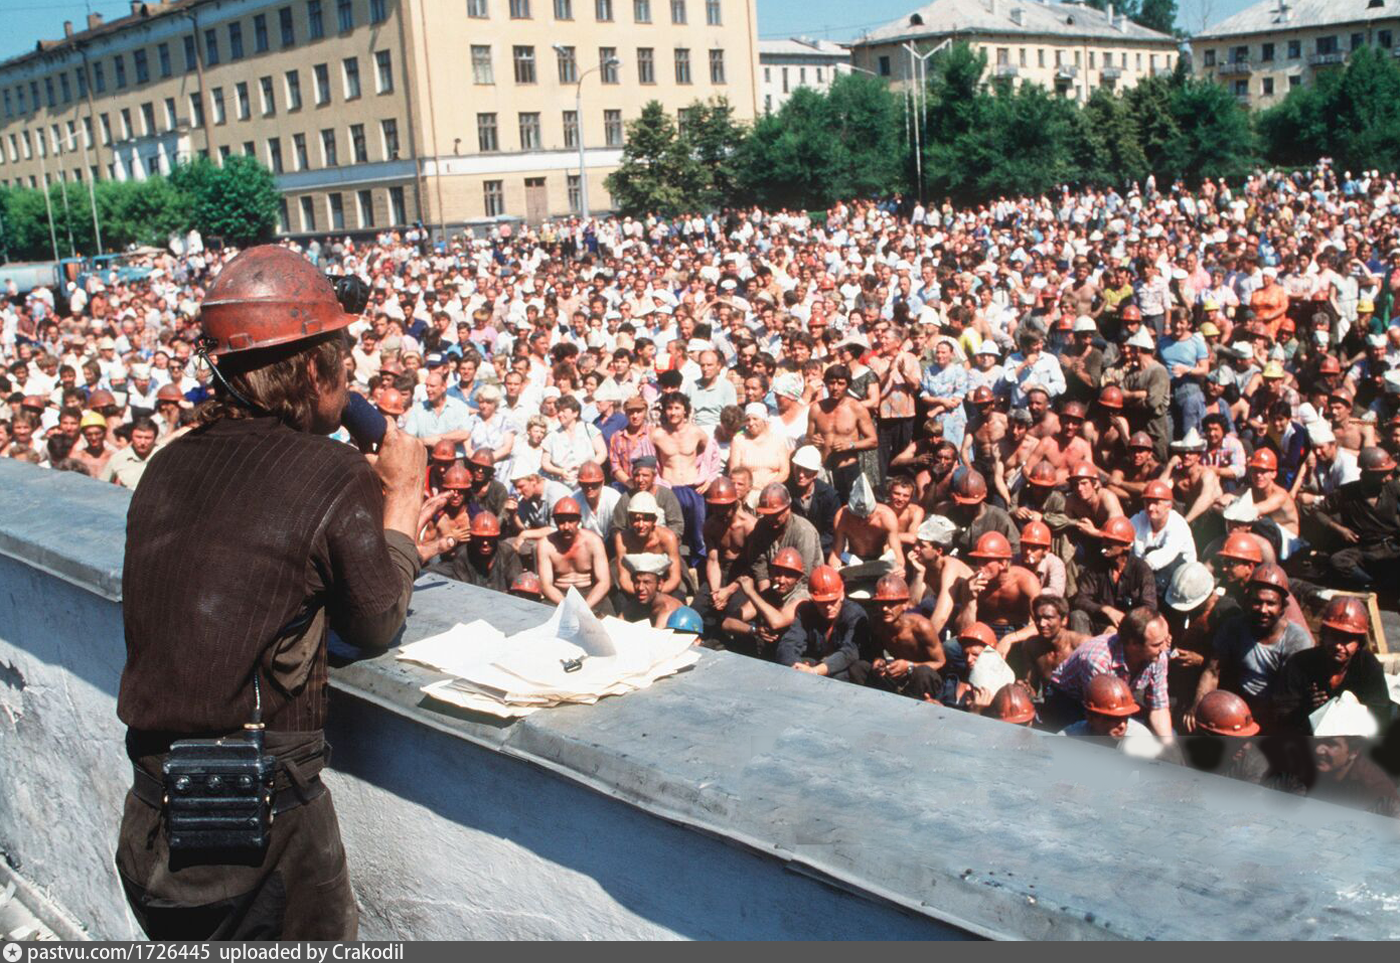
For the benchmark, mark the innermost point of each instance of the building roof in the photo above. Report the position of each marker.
(98, 27)
(1024, 17)
(803, 47)
(1267, 17)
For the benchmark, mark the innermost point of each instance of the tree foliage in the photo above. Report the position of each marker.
(1159, 15)
(236, 200)
(667, 170)
(1351, 115)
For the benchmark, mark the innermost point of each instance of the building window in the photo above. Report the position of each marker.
(260, 39)
(530, 131)
(1358, 41)
(328, 152)
(524, 58)
(646, 65)
(288, 28)
(398, 210)
(293, 90)
(351, 67)
(216, 97)
(570, 128)
(274, 154)
(148, 118)
(139, 63)
(389, 130)
(486, 139)
(1208, 58)
(1241, 88)
(235, 41)
(717, 67)
(1295, 49)
(322, 74)
(1325, 45)
(1239, 55)
(196, 110)
(345, 15)
(65, 88)
(1295, 81)
(1266, 53)
(249, 149)
(383, 72)
(821, 75)
(884, 66)
(118, 71)
(712, 13)
(477, 9)
(641, 11)
(284, 220)
(603, 10)
(575, 194)
(520, 9)
(495, 196)
(359, 146)
(315, 23)
(568, 65)
(1383, 38)
(299, 151)
(607, 61)
(365, 202)
(678, 11)
(308, 214)
(563, 9)
(1267, 86)
(682, 65)
(243, 102)
(81, 76)
(378, 11)
(269, 97)
(481, 65)
(612, 128)
(211, 48)
(127, 132)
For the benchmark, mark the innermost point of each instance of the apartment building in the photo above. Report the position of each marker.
(373, 112)
(1066, 47)
(798, 62)
(1267, 49)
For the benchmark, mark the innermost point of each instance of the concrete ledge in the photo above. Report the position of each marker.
(738, 799)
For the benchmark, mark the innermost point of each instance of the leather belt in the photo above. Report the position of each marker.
(301, 789)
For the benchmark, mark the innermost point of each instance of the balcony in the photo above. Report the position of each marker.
(1336, 58)
(1066, 72)
(1163, 71)
(1006, 70)
(1235, 68)
(1111, 74)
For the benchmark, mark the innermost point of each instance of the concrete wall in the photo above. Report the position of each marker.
(738, 800)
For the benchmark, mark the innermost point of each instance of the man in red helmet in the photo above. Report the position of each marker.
(909, 653)
(572, 558)
(829, 632)
(1340, 663)
(1136, 653)
(1364, 515)
(485, 559)
(304, 536)
(1112, 582)
(1161, 537)
(999, 593)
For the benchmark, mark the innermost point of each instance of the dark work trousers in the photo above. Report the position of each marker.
(918, 682)
(843, 479)
(1059, 710)
(1371, 567)
(895, 434)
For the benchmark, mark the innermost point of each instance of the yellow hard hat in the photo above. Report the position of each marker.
(92, 419)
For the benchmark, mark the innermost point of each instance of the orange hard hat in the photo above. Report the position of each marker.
(1157, 490)
(1264, 459)
(1074, 409)
(1141, 439)
(1222, 712)
(991, 545)
(590, 471)
(1042, 475)
(485, 525)
(891, 588)
(456, 477)
(1111, 397)
(527, 583)
(790, 559)
(1346, 613)
(982, 395)
(267, 296)
(1241, 547)
(1012, 704)
(1269, 575)
(1131, 312)
(1330, 365)
(483, 457)
(98, 399)
(1109, 695)
(1036, 535)
(978, 633)
(969, 487)
(568, 508)
(825, 584)
(38, 402)
(391, 401)
(1375, 459)
(721, 492)
(1119, 529)
(1085, 470)
(444, 451)
(170, 393)
(774, 499)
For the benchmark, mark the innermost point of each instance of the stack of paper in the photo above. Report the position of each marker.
(573, 657)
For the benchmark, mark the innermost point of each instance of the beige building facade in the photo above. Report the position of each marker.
(1264, 51)
(1065, 47)
(373, 113)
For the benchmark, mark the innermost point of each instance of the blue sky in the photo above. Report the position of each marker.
(27, 21)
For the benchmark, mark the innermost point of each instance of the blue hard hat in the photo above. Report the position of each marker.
(685, 619)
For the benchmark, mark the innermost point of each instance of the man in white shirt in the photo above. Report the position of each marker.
(1161, 537)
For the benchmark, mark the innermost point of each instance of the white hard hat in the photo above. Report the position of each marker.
(643, 503)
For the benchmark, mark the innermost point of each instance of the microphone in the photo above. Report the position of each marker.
(364, 422)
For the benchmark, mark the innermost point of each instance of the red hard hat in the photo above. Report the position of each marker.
(590, 471)
(1264, 459)
(484, 457)
(1042, 475)
(1141, 439)
(774, 499)
(992, 545)
(1035, 534)
(1269, 575)
(527, 583)
(1241, 547)
(1131, 312)
(978, 633)
(1222, 712)
(721, 492)
(825, 584)
(790, 559)
(98, 399)
(267, 296)
(969, 487)
(1085, 470)
(456, 477)
(485, 525)
(1347, 613)
(1375, 459)
(1330, 365)
(568, 508)
(982, 395)
(169, 393)
(1109, 695)
(1074, 409)
(391, 401)
(891, 588)
(37, 402)
(1119, 529)
(1157, 489)
(1012, 704)
(444, 451)
(1111, 397)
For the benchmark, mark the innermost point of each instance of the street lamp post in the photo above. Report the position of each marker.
(578, 130)
(918, 65)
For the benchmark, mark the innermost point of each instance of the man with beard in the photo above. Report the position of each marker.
(999, 594)
(1365, 517)
(1112, 582)
(644, 600)
(643, 536)
(485, 560)
(968, 509)
(828, 632)
(571, 558)
(1052, 643)
(915, 655)
(841, 428)
(1341, 663)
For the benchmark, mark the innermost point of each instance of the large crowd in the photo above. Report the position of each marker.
(1120, 464)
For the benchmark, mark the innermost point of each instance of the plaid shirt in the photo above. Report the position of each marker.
(1105, 654)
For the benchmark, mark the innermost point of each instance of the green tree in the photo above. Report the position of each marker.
(1350, 115)
(1214, 134)
(657, 174)
(1159, 15)
(1109, 146)
(237, 200)
(713, 136)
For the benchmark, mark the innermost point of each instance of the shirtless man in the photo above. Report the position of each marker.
(1107, 431)
(936, 480)
(679, 443)
(909, 512)
(643, 536)
(1044, 422)
(1066, 448)
(1052, 642)
(915, 654)
(646, 602)
(94, 451)
(572, 558)
(987, 426)
(1270, 499)
(1128, 480)
(999, 594)
(1352, 434)
(728, 525)
(841, 428)
(1194, 486)
(454, 521)
(767, 613)
(937, 575)
(1088, 504)
(865, 531)
(764, 453)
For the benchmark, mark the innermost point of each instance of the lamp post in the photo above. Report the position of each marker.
(578, 133)
(918, 68)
